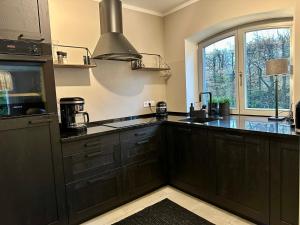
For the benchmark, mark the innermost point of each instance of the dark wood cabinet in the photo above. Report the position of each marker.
(105, 171)
(190, 160)
(242, 174)
(31, 192)
(94, 195)
(253, 175)
(91, 156)
(284, 181)
(143, 158)
(142, 177)
(28, 19)
(93, 176)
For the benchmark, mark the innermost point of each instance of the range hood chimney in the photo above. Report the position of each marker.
(112, 44)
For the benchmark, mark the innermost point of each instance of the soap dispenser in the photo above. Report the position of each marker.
(192, 109)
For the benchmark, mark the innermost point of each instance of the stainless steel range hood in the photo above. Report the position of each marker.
(112, 44)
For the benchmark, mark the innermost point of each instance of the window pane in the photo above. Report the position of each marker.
(219, 69)
(261, 46)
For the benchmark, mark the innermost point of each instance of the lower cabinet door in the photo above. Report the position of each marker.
(28, 191)
(143, 177)
(242, 175)
(284, 181)
(93, 196)
(191, 161)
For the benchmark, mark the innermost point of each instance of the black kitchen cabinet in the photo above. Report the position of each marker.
(190, 161)
(91, 156)
(253, 175)
(31, 178)
(242, 174)
(108, 170)
(27, 19)
(143, 158)
(93, 176)
(284, 181)
(142, 177)
(94, 195)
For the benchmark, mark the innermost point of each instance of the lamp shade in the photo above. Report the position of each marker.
(277, 67)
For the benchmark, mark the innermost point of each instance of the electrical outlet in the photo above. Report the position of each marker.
(148, 102)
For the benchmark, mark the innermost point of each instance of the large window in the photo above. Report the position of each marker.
(233, 67)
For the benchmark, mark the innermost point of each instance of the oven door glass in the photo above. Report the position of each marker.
(21, 89)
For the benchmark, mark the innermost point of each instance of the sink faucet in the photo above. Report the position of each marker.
(209, 103)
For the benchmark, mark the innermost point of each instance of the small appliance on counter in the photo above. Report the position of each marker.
(297, 117)
(161, 109)
(73, 118)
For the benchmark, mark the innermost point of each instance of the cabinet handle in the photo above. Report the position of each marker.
(142, 142)
(140, 134)
(22, 37)
(94, 154)
(35, 122)
(92, 144)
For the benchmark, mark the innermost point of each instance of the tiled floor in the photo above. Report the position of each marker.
(203, 209)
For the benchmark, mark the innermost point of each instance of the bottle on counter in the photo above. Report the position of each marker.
(192, 109)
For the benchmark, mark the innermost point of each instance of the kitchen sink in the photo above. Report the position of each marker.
(200, 120)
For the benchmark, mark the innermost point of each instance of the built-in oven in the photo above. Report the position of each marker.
(26, 79)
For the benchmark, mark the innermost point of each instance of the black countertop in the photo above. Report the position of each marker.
(241, 123)
(252, 124)
(91, 131)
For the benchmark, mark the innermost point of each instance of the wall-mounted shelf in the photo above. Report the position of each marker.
(151, 69)
(76, 66)
(88, 59)
(157, 63)
(152, 62)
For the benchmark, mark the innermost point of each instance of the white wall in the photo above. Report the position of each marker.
(200, 20)
(111, 89)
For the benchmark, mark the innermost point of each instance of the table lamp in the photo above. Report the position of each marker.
(277, 67)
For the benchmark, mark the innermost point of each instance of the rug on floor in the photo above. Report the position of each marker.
(165, 212)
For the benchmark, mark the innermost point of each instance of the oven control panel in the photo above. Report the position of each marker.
(20, 48)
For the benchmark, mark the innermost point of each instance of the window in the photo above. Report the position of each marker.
(233, 67)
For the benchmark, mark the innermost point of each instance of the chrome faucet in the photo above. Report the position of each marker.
(209, 103)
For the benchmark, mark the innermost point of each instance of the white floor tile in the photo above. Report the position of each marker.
(201, 208)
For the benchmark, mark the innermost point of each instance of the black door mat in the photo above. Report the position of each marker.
(165, 212)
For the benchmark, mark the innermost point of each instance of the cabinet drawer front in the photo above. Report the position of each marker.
(141, 149)
(91, 162)
(94, 195)
(96, 143)
(141, 144)
(139, 134)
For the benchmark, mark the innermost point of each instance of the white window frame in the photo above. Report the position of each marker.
(239, 33)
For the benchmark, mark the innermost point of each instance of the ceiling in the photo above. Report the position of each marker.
(159, 6)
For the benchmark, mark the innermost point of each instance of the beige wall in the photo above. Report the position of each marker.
(200, 20)
(111, 89)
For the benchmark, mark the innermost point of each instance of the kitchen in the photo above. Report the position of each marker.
(232, 170)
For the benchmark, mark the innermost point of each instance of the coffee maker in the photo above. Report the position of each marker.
(73, 118)
(161, 110)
